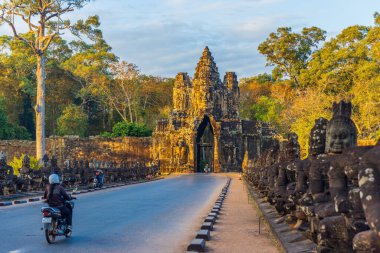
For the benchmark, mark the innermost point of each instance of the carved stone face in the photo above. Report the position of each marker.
(340, 138)
(317, 141)
(3, 161)
(318, 144)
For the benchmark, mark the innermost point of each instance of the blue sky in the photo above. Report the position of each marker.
(164, 37)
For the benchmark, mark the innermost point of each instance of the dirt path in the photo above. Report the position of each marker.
(237, 228)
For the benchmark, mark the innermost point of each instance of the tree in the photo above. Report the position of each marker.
(44, 21)
(72, 121)
(136, 98)
(17, 64)
(289, 52)
(123, 88)
(121, 129)
(90, 66)
(10, 131)
(333, 67)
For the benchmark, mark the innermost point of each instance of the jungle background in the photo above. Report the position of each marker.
(90, 91)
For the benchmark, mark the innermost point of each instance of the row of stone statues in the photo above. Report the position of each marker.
(73, 173)
(333, 195)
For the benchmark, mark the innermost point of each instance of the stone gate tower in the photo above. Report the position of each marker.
(204, 125)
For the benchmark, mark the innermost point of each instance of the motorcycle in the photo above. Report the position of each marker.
(98, 180)
(54, 224)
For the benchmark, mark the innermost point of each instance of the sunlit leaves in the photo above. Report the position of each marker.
(289, 52)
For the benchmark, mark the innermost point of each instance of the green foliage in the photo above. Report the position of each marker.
(266, 109)
(106, 134)
(289, 52)
(130, 129)
(79, 72)
(72, 121)
(10, 131)
(346, 67)
(16, 163)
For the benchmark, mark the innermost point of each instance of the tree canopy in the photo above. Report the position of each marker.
(309, 76)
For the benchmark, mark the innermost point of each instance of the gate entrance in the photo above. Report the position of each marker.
(204, 153)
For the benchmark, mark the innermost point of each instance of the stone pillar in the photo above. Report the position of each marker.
(217, 148)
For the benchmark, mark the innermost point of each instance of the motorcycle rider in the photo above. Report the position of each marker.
(99, 177)
(55, 196)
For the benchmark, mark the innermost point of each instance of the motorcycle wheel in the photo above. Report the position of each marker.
(50, 237)
(68, 234)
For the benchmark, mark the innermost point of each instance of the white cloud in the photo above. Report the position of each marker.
(164, 37)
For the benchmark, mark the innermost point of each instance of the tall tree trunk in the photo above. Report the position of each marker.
(40, 107)
(130, 110)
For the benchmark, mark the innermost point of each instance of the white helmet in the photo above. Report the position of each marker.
(53, 179)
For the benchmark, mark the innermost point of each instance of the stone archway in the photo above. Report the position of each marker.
(204, 146)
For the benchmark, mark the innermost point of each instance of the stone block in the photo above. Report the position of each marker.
(203, 234)
(20, 202)
(215, 210)
(197, 245)
(210, 219)
(213, 214)
(34, 199)
(207, 226)
(5, 203)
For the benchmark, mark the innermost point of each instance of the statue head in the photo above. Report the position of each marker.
(87, 164)
(317, 139)
(66, 163)
(292, 147)
(54, 162)
(45, 160)
(341, 131)
(3, 158)
(26, 162)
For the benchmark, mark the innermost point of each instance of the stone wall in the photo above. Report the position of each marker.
(99, 148)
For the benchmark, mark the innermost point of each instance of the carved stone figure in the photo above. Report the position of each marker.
(369, 185)
(183, 152)
(45, 160)
(341, 130)
(54, 162)
(317, 140)
(7, 185)
(346, 216)
(25, 169)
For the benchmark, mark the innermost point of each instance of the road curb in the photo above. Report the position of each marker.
(197, 245)
(23, 201)
(5, 203)
(34, 199)
(203, 235)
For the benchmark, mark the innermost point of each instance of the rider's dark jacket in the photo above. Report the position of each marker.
(57, 197)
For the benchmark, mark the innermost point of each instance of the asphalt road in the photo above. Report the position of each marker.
(159, 216)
